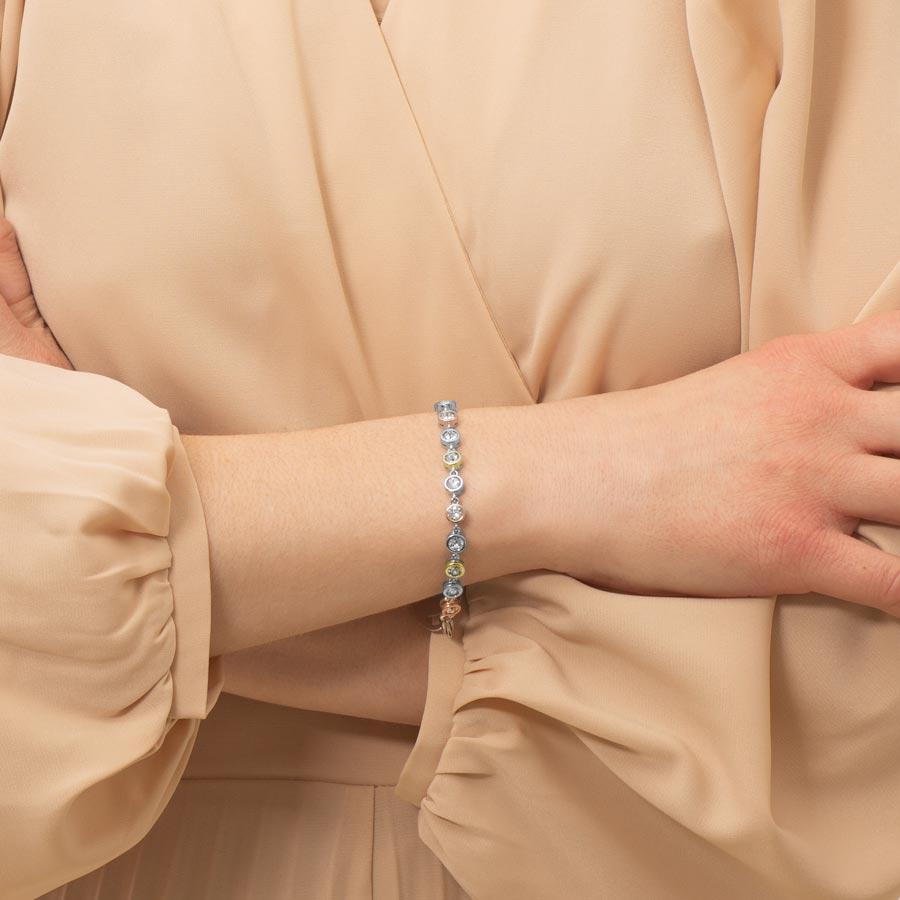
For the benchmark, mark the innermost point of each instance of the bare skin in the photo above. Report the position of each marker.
(375, 667)
(313, 528)
(747, 478)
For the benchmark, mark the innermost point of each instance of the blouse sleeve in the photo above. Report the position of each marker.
(104, 621)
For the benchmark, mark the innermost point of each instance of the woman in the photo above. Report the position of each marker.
(584, 226)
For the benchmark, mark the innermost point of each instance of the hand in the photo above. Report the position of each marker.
(23, 331)
(747, 478)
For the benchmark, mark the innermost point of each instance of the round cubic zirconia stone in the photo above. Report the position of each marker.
(452, 589)
(450, 438)
(454, 483)
(455, 513)
(456, 543)
(453, 459)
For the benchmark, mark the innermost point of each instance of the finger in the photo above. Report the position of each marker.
(864, 352)
(15, 285)
(869, 488)
(875, 419)
(851, 569)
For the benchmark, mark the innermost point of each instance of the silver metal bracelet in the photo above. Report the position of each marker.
(454, 568)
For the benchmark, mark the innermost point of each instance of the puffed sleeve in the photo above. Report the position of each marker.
(104, 621)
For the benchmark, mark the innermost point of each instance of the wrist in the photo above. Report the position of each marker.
(522, 477)
(500, 447)
(584, 476)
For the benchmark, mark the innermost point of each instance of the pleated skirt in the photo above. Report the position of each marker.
(281, 804)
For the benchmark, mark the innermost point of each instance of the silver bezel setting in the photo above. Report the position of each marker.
(454, 483)
(452, 589)
(456, 543)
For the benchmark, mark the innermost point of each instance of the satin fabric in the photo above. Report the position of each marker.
(297, 215)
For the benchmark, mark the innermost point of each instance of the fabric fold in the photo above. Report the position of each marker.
(446, 659)
(104, 621)
(197, 679)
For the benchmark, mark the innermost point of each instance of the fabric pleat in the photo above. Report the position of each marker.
(283, 804)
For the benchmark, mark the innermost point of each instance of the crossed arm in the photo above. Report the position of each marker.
(321, 539)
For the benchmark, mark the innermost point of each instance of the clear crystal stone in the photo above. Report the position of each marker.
(455, 512)
(456, 543)
(452, 589)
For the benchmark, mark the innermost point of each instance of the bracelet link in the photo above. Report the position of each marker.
(454, 567)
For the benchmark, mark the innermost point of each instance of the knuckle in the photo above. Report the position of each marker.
(802, 539)
(834, 414)
(799, 397)
(789, 536)
(843, 348)
(853, 337)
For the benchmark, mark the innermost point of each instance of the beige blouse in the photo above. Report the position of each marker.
(246, 217)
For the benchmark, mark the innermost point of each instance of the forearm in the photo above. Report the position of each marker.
(315, 527)
(375, 667)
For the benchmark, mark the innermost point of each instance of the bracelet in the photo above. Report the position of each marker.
(454, 568)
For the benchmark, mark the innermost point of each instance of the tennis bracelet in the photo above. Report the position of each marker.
(454, 569)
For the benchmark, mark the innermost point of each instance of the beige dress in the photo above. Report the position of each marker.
(245, 217)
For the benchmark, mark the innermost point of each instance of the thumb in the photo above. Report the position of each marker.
(15, 285)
